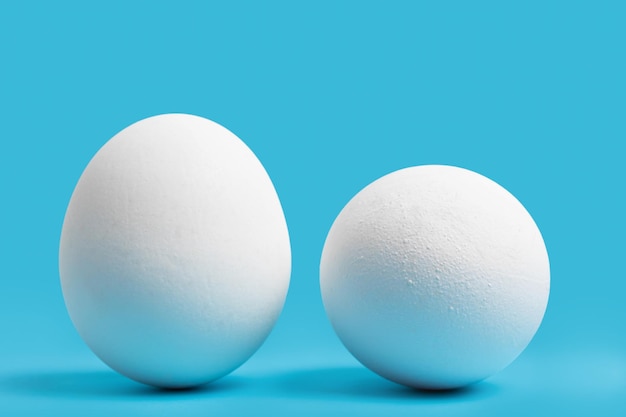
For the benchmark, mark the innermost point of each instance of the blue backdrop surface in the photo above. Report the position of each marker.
(330, 96)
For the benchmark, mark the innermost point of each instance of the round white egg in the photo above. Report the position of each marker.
(435, 277)
(174, 255)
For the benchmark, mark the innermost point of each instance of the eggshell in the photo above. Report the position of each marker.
(435, 277)
(174, 255)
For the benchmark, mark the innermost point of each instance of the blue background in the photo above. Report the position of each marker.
(330, 95)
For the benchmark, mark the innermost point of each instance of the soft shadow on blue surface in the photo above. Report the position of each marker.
(101, 384)
(357, 383)
(338, 384)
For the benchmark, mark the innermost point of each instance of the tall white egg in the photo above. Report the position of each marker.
(435, 277)
(174, 255)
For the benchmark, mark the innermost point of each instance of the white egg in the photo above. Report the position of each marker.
(174, 256)
(435, 277)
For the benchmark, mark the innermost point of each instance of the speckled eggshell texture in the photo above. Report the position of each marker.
(435, 277)
(174, 255)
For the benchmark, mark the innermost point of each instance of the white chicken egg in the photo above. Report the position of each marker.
(435, 277)
(174, 255)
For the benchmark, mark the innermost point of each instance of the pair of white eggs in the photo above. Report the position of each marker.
(175, 262)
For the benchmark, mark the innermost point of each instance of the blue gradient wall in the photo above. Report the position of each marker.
(330, 96)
